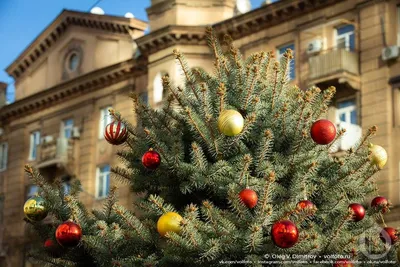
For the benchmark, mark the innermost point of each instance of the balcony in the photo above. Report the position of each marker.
(349, 139)
(59, 153)
(338, 65)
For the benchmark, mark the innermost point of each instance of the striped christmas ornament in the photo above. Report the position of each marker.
(116, 133)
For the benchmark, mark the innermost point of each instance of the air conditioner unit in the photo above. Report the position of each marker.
(46, 139)
(390, 52)
(75, 132)
(314, 46)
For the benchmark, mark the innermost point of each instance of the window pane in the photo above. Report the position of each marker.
(3, 156)
(32, 190)
(352, 42)
(345, 29)
(101, 187)
(107, 185)
(105, 169)
(67, 188)
(347, 103)
(353, 117)
(342, 117)
(292, 65)
(341, 42)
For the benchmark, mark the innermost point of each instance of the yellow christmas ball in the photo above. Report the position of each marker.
(169, 222)
(378, 155)
(230, 122)
(34, 209)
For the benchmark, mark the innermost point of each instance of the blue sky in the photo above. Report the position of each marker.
(22, 20)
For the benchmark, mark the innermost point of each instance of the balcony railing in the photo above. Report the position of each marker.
(56, 152)
(331, 62)
(349, 139)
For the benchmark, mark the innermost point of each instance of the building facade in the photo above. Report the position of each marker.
(83, 63)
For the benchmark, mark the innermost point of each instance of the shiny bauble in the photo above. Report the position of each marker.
(358, 211)
(389, 235)
(343, 263)
(169, 222)
(34, 209)
(116, 133)
(151, 159)
(323, 132)
(380, 204)
(68, 234)
(284, 234)
(305, 205)
(248, 197)
(378, 155)
(230, 122)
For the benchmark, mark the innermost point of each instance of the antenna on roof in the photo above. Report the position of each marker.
(97, 10)
(129, 15)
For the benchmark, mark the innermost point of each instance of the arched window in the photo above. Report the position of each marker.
(158, 90)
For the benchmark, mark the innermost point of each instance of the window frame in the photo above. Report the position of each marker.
(106, 182)
(347, 110)
(3, 156)
(32, 144)
(64, 127)
(291, 74)
(346, 36)
(103, 122)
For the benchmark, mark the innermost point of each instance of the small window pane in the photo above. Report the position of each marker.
(353, 117)
(3, 156)
(32, 190)
(345, 29)
(347, 103)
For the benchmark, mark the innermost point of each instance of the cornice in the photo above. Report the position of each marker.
(54, 32)
(83, 84)
(171, 35)
(269, 15)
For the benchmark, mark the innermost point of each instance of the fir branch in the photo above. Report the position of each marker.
(276, 69)
(371, 131)
(133, 223)
(250, 90)
(221, 93)
(345, 219)
(247, 161)
(194, 124)
(186, 71)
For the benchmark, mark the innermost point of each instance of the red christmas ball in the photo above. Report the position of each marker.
(248, 197)
(343, 263)
(116, 133)
(68, 234)
(389, 235)
(358, 211)
(284, 234)
(49, 243)
(323, 132)
(381, 204)
(305, 204)
(151, 159)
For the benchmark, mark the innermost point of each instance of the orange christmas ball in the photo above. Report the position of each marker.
(284, 234)
(68, 234)
(343, 263)
(323, 132)
(248, 197)
(305, 204)
(169, 222)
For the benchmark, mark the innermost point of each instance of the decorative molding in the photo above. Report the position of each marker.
(72, 88)
(53, 33)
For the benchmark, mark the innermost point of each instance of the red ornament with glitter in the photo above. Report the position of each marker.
(68, 234)
(151, 159)
(284, 234)
(389, 235)
(358, 211)
(343, 263)
(248, 197)
(116, 133)
(323, 132)
(381, 204)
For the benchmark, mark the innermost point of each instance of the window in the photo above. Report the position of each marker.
(347, 111)
(67, 187)
(345, 37)
(67, 128)
(292, 66)
(144, 97)
(102, 181)
(158, 89)
(105, 119)
(3, 156)
(34, 142)
(32, 190)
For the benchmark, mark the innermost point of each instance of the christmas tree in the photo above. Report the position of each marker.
(235, 168)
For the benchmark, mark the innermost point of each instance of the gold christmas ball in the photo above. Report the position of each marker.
(230, 122)
(169, 222)
(34, 209)
(378, 155)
